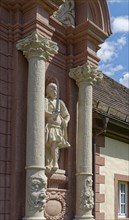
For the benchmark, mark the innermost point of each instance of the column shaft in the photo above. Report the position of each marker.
(36, 113)
(85, 125)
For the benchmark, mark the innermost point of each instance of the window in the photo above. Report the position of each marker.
(122, 199)
(121, 192)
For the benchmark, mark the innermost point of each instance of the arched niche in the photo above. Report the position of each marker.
(94, 10)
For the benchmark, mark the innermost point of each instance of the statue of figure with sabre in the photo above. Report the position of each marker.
(56, 122)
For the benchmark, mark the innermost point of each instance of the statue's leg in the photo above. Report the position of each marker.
(55, 155)
(48, 158)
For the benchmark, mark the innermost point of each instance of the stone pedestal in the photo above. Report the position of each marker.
(85, 76)
(37, 50)
(57, 204)
(57, 179)
(57, 195)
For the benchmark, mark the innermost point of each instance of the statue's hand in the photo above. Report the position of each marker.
(64, 123)
(54, 116)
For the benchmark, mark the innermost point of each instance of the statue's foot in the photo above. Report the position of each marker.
(48, 168)
(66, 145)
(55, 167)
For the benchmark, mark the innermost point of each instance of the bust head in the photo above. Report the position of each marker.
(51, 90)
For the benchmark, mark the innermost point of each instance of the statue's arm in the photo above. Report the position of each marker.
(64, 113)
(47, 113)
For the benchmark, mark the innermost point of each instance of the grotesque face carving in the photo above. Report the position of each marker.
(37, 193)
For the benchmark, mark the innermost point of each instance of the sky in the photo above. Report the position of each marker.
(114, 52)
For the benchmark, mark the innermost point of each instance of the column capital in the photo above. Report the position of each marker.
(35, 45)
(86, 73)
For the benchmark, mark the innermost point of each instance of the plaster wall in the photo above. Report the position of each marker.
(116, 156)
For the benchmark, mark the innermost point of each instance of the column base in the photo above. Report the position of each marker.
(34, 218)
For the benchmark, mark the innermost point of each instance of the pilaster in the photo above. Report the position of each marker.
(84, 76)
(37, 50)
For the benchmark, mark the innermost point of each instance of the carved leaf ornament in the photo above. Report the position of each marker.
(86, 198)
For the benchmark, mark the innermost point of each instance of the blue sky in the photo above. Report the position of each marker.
(114, 53)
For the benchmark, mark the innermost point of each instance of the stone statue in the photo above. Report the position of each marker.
(56, 122)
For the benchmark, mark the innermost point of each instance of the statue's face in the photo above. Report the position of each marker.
(37, 193)
(52, 91)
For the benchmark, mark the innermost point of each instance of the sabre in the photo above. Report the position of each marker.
(57, 110)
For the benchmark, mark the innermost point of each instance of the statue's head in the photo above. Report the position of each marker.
(51, 90)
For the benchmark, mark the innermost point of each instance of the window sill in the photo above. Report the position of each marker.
(123, 218)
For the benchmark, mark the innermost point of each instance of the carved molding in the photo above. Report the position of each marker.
(37, 192)
(56, 205)
(66, 13)
(86, 73)
(36, 45)
(86, 198)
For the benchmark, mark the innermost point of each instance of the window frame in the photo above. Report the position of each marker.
(125, 203)
(117, 180)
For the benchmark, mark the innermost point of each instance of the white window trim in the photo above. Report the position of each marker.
(121, 215)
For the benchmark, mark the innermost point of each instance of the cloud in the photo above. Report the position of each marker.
(110, 69)
(120, 24)
(125, 80)
(109, 50)
(122, 41)
(118, 1)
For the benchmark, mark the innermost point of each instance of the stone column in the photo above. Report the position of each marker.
(84, 76)
(37, 50)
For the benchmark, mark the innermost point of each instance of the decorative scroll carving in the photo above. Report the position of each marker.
(66, 13)
(37, 192)
(86, 72)
(36, 45)
(56, 205)
(86, 199)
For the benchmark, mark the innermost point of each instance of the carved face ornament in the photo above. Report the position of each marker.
(37, 195)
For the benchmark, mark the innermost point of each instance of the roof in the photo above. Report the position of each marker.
(111, 97)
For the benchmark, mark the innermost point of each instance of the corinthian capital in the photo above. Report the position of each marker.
(86, 73)
(36, 45)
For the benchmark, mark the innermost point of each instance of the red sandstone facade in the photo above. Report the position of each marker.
(77, 45)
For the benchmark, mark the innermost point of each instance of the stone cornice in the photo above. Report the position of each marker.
(86, 73)
(36, 45)
(50, 5)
